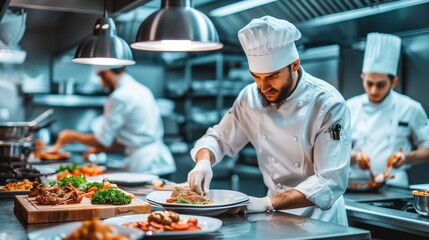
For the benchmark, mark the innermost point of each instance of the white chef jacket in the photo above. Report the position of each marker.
(294, 146)
(379, 130)
(131, 116)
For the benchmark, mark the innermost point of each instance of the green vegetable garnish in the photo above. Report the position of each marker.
(110, 196)
(78, 182)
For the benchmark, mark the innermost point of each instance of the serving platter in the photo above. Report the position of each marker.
(207, 225)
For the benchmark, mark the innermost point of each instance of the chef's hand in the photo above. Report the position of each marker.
(202, 172)
(257, 205)
(400, 161)
(64, 137)
(363, 161)
(354, 158)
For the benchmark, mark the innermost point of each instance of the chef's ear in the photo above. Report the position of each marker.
(394, 81)
(295, 65)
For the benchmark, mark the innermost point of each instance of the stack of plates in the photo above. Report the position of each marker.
(224, 200)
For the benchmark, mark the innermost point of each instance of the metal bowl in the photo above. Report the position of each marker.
(421, 204)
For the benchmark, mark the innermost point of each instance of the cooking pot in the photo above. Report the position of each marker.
(421, 204)
(15, 131)
(14, 151)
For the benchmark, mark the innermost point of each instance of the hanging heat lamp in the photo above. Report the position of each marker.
(104, 47)
(177, 27)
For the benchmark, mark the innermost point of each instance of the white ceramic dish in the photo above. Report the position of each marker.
(207, 225)
(213, 211)
(129, 179)
(62, 230)
(220, 198)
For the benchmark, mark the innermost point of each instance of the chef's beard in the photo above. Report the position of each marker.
(285, 92)
(274, 104)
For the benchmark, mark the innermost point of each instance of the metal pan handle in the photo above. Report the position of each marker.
(35, 122)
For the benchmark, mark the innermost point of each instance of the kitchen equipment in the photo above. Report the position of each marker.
(363, 185)
(14, 151)
(14, 131)
(421, 204)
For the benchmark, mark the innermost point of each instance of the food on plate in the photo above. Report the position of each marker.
(160, 221)
(422, 193)
(93, 230)
(76, 169)
(52, 156)
(53, 195)
(181, 195)
(19, 186)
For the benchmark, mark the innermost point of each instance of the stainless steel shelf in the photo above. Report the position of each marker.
(56, 100)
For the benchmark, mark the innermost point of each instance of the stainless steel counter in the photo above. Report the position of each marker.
(276, 225)
(359, 209)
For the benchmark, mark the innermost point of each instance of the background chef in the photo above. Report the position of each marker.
(289, 117)
(131, 122)
(382, 120)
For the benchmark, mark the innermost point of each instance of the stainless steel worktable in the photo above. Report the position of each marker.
(276, 225)
(360, 209)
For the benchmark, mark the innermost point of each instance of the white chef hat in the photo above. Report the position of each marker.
(99, 68)
(269, 44)
(381, 54)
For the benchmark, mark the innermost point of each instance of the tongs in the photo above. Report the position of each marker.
(392, 160)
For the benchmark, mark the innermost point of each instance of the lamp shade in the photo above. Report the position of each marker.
(177, 27)
(104, 47)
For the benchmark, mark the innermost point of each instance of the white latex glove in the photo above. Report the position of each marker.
(257, 205)
(202, 172)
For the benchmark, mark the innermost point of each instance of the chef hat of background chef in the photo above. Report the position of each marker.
(99, 68)
(381, 54)
(269, 44)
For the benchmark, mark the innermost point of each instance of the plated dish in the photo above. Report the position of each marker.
(206, 225)
(219, 198)
(63, 230)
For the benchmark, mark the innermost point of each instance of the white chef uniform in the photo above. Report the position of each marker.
(379, 130)
(294, 143)
(131, 116)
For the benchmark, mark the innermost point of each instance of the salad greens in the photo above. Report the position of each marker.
(79, 182)
(110, 196)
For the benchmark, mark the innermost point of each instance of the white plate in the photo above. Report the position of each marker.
(207, 224)
(61, 231)
(129, 179)
(214, 211)
(220, 198)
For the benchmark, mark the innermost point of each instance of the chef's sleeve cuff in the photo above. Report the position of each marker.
(206, 142)
(104, 137)
(317, 192)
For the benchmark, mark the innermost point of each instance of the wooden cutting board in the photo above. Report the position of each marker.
(33, 212)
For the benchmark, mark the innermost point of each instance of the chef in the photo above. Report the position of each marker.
(382, 120)
(131, 122)
(298, 124)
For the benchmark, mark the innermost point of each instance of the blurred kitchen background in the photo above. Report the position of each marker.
(39, 38)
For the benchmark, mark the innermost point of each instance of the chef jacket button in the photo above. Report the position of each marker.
(265, 136)
(295, 139)
(300, 103)
(279, 185)
(297, 164)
